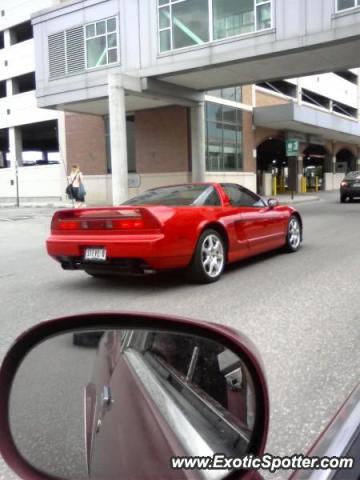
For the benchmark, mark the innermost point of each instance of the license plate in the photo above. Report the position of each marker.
(356, 184)
(95, 254)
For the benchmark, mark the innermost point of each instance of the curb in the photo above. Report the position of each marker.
(297, 201)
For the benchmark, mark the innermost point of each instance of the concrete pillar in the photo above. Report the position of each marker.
(358, 94)
(15, 151)
(299, 92)
(7, 38)
(118, 144)
(9, 88)
(328, 163)
(2, 159)
(198, 142)
(333, 163)
(15, 146)
(62, 137)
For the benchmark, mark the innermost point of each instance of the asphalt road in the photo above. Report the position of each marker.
(47, 406)
(301, 310)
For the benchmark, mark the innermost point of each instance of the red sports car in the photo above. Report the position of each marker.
(200, 226)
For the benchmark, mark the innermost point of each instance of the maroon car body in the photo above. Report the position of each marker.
(340, 438)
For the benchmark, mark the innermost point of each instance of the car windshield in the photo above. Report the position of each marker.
(177, 195)
(352, 175)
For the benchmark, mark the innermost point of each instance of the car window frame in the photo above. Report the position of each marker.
(245, 190)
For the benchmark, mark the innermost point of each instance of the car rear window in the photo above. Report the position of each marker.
(178, 195)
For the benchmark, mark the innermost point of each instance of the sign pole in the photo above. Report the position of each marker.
(292, 151)
(17, 184)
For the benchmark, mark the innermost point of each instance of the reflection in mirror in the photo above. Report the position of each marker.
(273, 202)
(119, 403)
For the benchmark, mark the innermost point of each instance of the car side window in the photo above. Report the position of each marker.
(240, 197)
(213, 199)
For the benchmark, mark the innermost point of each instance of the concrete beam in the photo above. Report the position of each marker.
(178, 95)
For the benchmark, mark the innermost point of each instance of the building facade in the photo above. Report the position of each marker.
(182, 90)
(36, 142)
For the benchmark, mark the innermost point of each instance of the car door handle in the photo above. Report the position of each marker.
(106, 398)
(106, 402)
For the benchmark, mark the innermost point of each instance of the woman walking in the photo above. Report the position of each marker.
(77, 186)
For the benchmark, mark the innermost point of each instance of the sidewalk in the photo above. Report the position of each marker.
(285, 199)
(37, 205)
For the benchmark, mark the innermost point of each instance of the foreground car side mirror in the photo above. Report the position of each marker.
(273, 202)
(121, 395)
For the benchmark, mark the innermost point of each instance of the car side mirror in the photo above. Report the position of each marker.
(273, 202)
(121, 395)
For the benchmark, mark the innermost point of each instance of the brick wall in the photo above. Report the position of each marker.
(247, 94)
(266, 99)
(263, 134)
(162, 143)
(85, 143)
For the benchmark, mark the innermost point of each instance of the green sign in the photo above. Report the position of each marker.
(292, 148)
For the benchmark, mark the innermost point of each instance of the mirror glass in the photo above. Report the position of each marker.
(273, 202)
(120, 403)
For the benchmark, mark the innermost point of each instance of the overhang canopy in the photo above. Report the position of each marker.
(305, 119)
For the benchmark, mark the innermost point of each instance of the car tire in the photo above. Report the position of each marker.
(208, 262)
(293, 234)
(342, 198)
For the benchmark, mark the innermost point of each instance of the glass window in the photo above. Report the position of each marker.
(230, 93)
(233, 17)
(90, 30)
(111, 25)
(223, 138)
(165, 40)
(212, 199)
(344, 4)
(190, 23)
(230, 114)
(96, 52)
(112, 55)
(164, 17)
(101, 43)
(176, 195)
(214, 112)
(241, 197)
(100, 28)
(263, 16)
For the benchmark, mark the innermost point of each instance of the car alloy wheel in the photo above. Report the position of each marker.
(212, 255)
(293, 239)
(209, 257)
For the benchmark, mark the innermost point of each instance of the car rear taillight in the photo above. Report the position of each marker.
(63, 221)
(105, 220)
(127, 224)
(344, 184)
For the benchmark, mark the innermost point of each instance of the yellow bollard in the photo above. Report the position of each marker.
(282, 184)
(274, 185)
(316, 184)
(303, 184)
